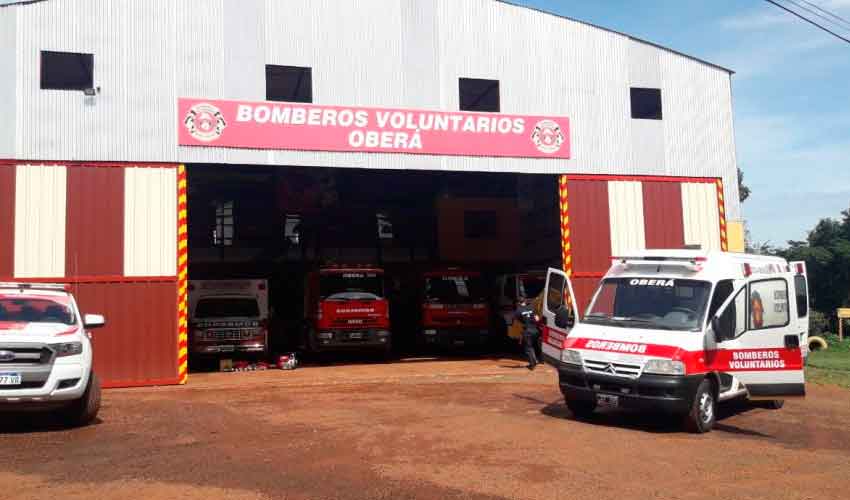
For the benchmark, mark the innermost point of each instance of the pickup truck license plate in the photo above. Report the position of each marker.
(355, 335)
(10, 378)
(607, 401)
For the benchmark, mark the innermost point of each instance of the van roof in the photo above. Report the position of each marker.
(702, 264)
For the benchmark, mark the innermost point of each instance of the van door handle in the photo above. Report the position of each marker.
(792, 341)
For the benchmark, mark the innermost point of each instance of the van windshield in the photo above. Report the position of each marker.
(351, 286)
(654, 303)
(226, 307)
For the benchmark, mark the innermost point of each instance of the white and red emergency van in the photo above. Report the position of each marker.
(678, 331)
(228, 316)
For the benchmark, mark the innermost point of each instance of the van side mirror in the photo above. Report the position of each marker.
(563, 318)
(722, 327)
(93, 321)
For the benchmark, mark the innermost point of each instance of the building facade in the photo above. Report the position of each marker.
(92, 180)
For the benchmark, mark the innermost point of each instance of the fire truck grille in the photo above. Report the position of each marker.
(608, 368)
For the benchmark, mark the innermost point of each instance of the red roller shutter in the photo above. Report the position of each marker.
(662, 209)
(7, 220)
(94, 239)
(590, 225)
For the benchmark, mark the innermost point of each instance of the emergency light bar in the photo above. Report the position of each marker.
(36, 286)
(691, 263)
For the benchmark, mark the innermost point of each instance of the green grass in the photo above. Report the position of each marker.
(831, 366)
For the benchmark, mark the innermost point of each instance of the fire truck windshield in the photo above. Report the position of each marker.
(455, 289)
(659, 303)
(351, 286)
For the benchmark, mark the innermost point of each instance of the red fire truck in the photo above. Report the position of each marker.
(346, 308)
(455, 312)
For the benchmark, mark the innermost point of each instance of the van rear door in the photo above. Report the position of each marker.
(758, 339)
(801, 291)
(559, 314)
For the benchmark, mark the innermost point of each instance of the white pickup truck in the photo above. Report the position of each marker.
(46, 353)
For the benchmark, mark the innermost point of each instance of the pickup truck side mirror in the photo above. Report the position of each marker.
(93, 321)
(563, 318)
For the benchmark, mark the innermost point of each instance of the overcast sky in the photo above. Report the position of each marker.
(791, 96)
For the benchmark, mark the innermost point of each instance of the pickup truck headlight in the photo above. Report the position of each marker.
(664, 367)
(68, 349)
(571, 357)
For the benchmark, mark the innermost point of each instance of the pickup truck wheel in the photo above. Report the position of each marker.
(703, 412)
(84, 410)
(581, 409)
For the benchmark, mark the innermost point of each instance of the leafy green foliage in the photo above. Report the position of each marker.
(827, 255)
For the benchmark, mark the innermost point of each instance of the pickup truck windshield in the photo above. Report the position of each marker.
(659, 303)
(351, 286)
(35, 310)
(223, 307)
(455, 289)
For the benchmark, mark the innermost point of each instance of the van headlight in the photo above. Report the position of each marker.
(571, 357)
(67, 349)
(664, 367)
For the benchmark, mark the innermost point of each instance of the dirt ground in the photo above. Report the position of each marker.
(478, 429)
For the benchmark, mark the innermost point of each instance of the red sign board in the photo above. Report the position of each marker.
(309, 127)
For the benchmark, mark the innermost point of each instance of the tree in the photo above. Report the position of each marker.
(826, 252)
(743, 191)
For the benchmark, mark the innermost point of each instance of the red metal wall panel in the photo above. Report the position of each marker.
(7, 220)
(662, 213)
(590, 225)
(138, 346)
(584, 288)
(94, 239)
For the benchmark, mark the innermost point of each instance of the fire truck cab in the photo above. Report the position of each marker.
(455, 312)
(678, 331)
(346, 308)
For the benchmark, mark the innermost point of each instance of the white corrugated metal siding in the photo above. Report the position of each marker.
(150, 222)
(625, 206)
(700, 215)
(8, 60)
(404, 53)
(40, 210)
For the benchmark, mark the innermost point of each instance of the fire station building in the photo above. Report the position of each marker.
(144, 143)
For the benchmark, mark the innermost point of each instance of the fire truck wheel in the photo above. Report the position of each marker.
(703, 412)
(581, 409)
(84, 410)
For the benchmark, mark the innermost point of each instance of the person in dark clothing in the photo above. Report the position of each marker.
(530, 333)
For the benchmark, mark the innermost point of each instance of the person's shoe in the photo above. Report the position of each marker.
(530, 367)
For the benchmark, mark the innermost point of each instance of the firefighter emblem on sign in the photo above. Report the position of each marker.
(547, 136)
(205, 122)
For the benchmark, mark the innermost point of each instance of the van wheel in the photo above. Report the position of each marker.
(581, 409)
(703, 412)
(84, 410)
